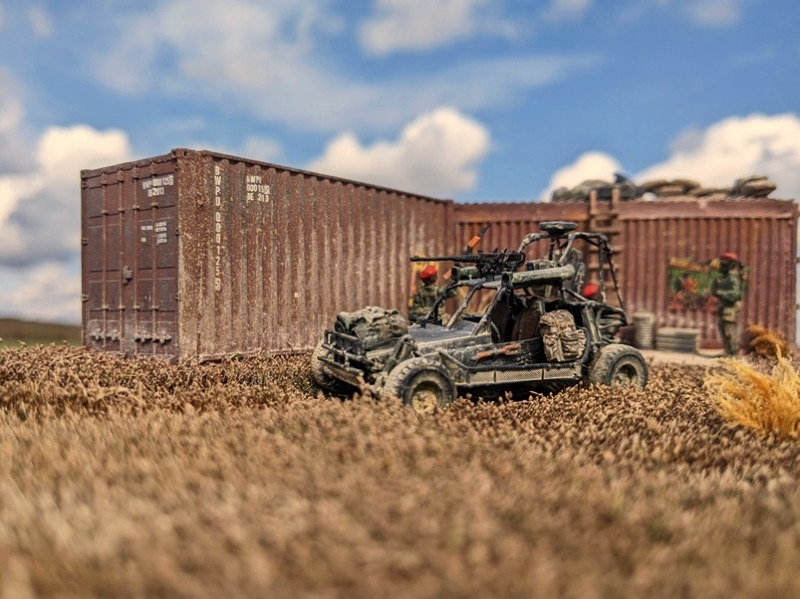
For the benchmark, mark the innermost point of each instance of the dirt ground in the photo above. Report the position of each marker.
(139, 479)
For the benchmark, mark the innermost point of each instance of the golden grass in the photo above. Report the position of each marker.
(764, 402)
(766, 342)
(134, 478)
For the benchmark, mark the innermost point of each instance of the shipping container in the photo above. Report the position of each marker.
(195, 255)
(647, 235)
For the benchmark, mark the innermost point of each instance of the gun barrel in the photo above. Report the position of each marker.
(464, 258)
(479, 258)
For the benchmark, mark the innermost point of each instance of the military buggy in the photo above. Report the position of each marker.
(520, 322)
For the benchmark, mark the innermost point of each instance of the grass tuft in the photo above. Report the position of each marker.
(764, 402)
(766, 342)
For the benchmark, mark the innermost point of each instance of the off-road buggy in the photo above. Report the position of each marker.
(520, 322)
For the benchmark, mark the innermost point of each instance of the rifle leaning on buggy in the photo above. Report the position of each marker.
(536, 330)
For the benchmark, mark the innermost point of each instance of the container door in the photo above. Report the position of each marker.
(131, 261)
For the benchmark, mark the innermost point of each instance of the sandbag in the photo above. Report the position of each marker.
(754, 186)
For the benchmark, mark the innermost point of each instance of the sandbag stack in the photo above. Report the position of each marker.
(751, 186)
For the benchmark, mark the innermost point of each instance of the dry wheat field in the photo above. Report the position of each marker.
(140, 479)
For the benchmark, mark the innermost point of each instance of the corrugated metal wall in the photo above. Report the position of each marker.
(762, 231)
(318, 246)
(232, 255)
(267, 255)
(510, 222)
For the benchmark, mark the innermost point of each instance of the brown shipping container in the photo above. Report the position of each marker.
(647, 234)
(196, 255)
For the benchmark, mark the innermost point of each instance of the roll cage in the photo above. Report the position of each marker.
(562, 264)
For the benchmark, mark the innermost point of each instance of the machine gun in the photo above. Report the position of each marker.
(484, 265)
(471, 269)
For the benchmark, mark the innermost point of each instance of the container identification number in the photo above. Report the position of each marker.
(256, 190)
(155, 186)
(217, 228)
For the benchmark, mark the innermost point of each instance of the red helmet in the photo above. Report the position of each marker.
(590, 290)
(429, 272)
(729, 256)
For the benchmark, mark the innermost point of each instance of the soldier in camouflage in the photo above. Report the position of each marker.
(422, 301)
(727, 288)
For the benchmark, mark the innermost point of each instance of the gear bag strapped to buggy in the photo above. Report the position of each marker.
(563, 342)
(374, 326)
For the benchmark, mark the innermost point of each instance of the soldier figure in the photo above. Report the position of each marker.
(727, 288)
(423, 300)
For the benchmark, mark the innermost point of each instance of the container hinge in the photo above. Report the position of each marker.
(127, 274)
(84, 241)
(177, 297)
(84, 297)
(101, 336)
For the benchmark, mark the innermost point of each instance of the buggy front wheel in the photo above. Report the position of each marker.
(420, 384)
(322, 377)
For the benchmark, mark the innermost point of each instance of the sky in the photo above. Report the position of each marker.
(474, 100)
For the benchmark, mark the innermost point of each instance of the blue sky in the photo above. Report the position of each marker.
(476, 100)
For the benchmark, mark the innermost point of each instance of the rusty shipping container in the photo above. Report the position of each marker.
(647, 234)
(194, 255)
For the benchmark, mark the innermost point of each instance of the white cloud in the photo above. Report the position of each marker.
(714, 13)
(716, 156)
(40, 209)
(48, 292)
(40, 222)
(735, 147)
(262, 148)
(567, 10)
(590, 165)
(14, 150)
(426, 24)
(41, 22)
(263, 61)
(436, 154)
(702, 13)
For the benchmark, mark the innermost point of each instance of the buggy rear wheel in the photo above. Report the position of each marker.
(420, 384)
(618, 364)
